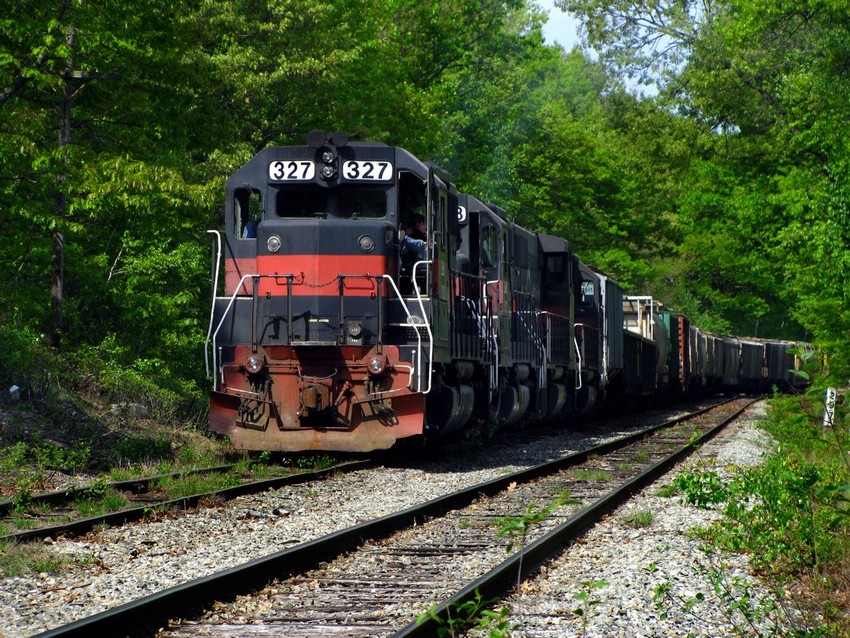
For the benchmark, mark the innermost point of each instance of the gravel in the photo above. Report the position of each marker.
(608, 584)
(117, 565)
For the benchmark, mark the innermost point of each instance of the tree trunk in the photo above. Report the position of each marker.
(60, 207)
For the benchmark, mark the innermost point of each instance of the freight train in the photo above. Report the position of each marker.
(334, 328)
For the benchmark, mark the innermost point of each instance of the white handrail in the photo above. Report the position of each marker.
(224, 315)
(413, 324)
(214, 297)
(412, 321)
(494, 378)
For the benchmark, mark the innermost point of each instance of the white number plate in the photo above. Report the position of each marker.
(367, 170)
(289, 170)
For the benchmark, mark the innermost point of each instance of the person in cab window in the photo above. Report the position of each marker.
(413, 241)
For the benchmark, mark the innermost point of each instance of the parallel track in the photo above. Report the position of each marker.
(146, 503)
(381, 586)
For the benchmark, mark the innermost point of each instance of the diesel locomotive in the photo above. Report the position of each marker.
(333, 328)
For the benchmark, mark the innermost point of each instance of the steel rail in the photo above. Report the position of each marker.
(136, 485)
(133, 514)
(502, 578)
(148, 614)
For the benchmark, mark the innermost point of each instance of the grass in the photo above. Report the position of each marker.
(25, 559)
(641, 456)
(111, 501)
(591, 475)
(638, 518)
(666, 491)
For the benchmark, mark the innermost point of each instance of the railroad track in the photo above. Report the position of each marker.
(352, 583)
(44, 509)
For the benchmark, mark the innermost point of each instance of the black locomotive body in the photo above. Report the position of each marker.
(339, 329)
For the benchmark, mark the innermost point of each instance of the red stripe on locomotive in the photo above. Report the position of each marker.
(313, 275)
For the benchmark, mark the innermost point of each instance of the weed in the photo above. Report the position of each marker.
(641, 456)
(99, 501)
(701, 488)
(23, 559)
(591, 475)
(638, 518)
(586, 601)
(666, 491)
(474, 611)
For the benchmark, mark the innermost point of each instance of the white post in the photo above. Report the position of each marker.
(829, 408)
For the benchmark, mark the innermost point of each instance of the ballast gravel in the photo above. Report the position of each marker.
(622, 581)
(118, 565)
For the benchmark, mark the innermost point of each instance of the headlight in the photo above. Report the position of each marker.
(254, 364)
(273, 244)
(367, 244)
(377, 365)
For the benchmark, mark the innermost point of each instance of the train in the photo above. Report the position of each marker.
(332, 328)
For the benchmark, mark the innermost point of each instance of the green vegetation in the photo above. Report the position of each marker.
(474, 612)
(586, 601)
(724, 193)
(638, 518)
(790, 515)
(590, 475)
(24, 559)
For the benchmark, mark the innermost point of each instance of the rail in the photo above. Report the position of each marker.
(148, 613)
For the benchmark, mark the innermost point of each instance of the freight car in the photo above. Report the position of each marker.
(337, 329)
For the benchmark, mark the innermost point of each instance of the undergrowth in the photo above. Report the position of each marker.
(791, 515)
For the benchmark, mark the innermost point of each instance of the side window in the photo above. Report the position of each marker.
(489, 246)
(247, 212)
(588, 292)
(555, 269)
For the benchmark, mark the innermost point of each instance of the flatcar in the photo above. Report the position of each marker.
(334, 328)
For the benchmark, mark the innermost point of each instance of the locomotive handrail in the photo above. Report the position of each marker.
(537, 341)
(547, 346)
(214, 297)
(412, 324)
(494, 378)
(224, 316)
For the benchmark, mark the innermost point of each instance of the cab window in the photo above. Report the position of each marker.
(348, 204)
(247, 212)
(489, 246)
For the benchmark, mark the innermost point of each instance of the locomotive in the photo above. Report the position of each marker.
(336, 330)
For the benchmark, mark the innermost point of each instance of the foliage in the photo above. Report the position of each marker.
(701, 488)
(474, 611)
(791, 514)
(511, 526)
(586, 600)
(23, 466)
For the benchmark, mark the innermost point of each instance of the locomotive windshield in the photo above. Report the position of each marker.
(320, 202)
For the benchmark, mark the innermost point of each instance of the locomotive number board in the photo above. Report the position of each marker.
(292, 170)
(352, 170)
(367, 170)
